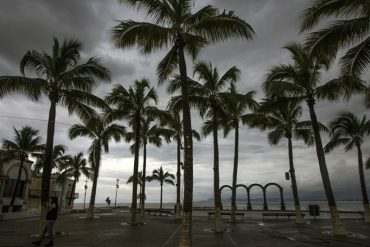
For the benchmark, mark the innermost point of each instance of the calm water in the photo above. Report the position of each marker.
(342, 205)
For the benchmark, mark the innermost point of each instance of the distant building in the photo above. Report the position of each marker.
(8, 177)
(29, 189)
(60, 190)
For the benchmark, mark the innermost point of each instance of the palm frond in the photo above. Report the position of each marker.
(146, 36)
(357, 59)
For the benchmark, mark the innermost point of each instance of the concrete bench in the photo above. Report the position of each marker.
(225, 213)
(280, 214)
(159, 212)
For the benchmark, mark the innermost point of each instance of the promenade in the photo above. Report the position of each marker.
(110, 229)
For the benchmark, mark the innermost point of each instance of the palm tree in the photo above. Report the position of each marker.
(173, 123)
(75, 167)
(348, 130)
(352, 29)
(65, 82)
(101, 132)
(283, 119)
(177, 26)
(26, 141)
(211, 98)
(133, 104)
(140, 179)
(59, 158)
(235, 108)
(299, 82)
(162, 177)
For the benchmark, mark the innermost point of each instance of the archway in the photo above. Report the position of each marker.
(249, 205)
(264, 195)
(223, 187)
(282, 204)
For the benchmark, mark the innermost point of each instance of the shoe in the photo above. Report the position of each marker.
(36, 242)
(51, 243)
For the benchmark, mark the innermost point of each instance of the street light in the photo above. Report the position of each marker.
(85, 193)
(115, 200)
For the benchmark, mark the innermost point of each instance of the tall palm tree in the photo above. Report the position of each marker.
(185, 32)
(283, 120)
(59, 158)
(26, 142)
(65, 82)
(75, 167)
(101, 132)
(211, 96)
(352, 29)
(299, 82)
(235, 108)
(150, 134)
(163, 178)
(349, 130)
(173, 123)
(133, 105)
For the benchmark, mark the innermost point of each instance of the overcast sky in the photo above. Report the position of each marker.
(29, 25)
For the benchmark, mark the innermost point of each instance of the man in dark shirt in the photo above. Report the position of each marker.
(51, 216)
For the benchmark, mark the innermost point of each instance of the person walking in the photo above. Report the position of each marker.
(107, 201)
(51, 216)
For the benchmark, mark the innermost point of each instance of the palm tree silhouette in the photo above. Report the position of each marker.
(59, 158)
(133, 105)
(163, 178)
(75, 167)
(185, 32)
(150, 134)
(348, 130)
(211, 97)
(283, 119)
(236, 105)
(140, 179)
(65, 82)
(299, 82)
(101, 132)
(26, 142)
(174, 125)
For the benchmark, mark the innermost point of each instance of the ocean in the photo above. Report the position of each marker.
(342, 205)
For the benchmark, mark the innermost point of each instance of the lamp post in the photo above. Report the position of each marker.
(85, 193)
(115, 200)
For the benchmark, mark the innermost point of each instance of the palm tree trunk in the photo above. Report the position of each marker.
(136, 168)
(338, 228)
(178, 184)
(298, 217)
(160, 205)
(363, 185)
(61, 198)
(216, 179)
(235, 174)
(185, 239)
(46, 170)
(72, 192)
(90, 212)
(143, 182)
(17, 183)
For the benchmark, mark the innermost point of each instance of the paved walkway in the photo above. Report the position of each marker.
(110, 230)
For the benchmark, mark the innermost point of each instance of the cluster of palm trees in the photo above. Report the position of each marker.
(183, 31)
(26, 143)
